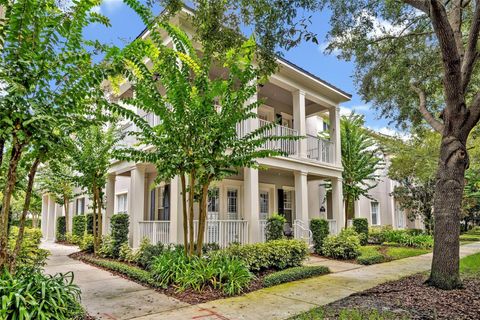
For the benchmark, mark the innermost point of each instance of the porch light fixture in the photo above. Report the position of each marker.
(322, 209)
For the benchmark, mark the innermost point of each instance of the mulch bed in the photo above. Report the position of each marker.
(188, 296)
(411, 298)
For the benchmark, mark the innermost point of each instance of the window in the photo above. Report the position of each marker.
(213, 204)
(122, 203)
(164, 203)
(232, 204)
(287, 200)
(325, 126)
(374, 211)
(152, 204)
(80, 206)
(263, 205)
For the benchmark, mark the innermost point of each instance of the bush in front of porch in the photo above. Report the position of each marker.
(320, 231)
(274, 228)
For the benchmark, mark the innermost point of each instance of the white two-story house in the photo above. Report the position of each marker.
(240, 204)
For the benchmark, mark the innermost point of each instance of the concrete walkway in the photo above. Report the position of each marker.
(285, 300)
(105, 295)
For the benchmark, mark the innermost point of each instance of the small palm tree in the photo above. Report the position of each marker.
(360, 160)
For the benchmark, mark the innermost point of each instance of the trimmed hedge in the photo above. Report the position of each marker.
(274, 227)
(320, 231)
(360, 225)
(275, 254)
(293, 274)
(78, 226)
(119, 224)
(89, 223)
(61, 229)
(370, 255)
(344, 246)
(132, 272)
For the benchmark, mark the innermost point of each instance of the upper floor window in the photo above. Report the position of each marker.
(80, 206)
(374, 210)
(122, 203)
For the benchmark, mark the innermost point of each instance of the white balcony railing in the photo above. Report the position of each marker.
(155, 231)
(319, 149)
(263, 234)
(224, 232)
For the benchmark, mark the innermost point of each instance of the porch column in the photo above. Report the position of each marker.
(337, 203)
(44, 216)
(301, 198)
(299, 121)
(252, 123)
(176, 221)
(251, 204)
(334, 115)
(110, 203)
(136, 203)
(51, 219)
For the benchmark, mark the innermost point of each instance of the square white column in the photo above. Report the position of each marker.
(299, 121)
(176, 219)
(136, 204)
(51, 223)
(301, 198)
(251, 208)
(44, 216)
(337, 203)
(109, 203)
(334, 115)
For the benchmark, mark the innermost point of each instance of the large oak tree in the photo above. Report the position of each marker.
(417, 61)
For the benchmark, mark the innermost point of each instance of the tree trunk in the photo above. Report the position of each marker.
(26, 207)
(202, 218)
(2, 146)
(17, 149)
(191, 198)
(347, 206)
(447, 203)
(94, 215)
(185, 215)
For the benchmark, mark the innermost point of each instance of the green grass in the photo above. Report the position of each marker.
(467, 238)
(345, 314)
(378, 254)
(470, 266)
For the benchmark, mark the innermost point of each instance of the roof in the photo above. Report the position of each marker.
(289, 63)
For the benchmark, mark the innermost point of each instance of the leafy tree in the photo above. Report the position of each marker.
(360, 161)
(91, 155)
(417, 61)
(48, 82)
(196, 138)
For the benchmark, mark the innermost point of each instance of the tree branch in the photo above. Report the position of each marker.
(471, 53)
(421, 5)
(434, 123)
(474, 111)
(455, 20)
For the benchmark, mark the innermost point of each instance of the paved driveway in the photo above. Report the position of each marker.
(107, 296)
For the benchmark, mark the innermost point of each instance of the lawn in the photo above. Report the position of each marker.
(409, 298)
(373, 254)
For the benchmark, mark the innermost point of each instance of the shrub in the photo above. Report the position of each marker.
(474, 231)
(320, 231)
(293, 274)
(106, 247)
(132, 272)
(126, 253)
(415, 232)
(274, 227)
(89, 223)
(87, 243)
(276, 254)
(344, 246)
(30, 294)
(119, 224)
(360, 225)
(219, 271)
(30, 255)
(61, 229)
(147, 252)
(78, 226)
(73, 239)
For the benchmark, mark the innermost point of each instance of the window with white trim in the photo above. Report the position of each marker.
(80, 206)
(264, 201)
(213, 204)
(232, 204)
(374, 210)
(122, 203)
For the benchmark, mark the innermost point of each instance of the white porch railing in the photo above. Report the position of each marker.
(288, 146)
(263, 234)
(224, 232)
(332, 226)
(155, 231)
(301, 231)
(319, 149)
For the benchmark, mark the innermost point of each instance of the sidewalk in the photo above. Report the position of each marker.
(104, 295)
(285, 300)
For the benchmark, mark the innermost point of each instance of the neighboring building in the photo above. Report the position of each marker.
(239, 205)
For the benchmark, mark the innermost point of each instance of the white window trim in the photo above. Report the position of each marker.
(378, 213)
(116, 201)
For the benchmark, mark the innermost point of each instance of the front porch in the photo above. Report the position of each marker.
(238, 208)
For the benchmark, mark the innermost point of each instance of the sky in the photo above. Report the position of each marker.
(126, 25)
